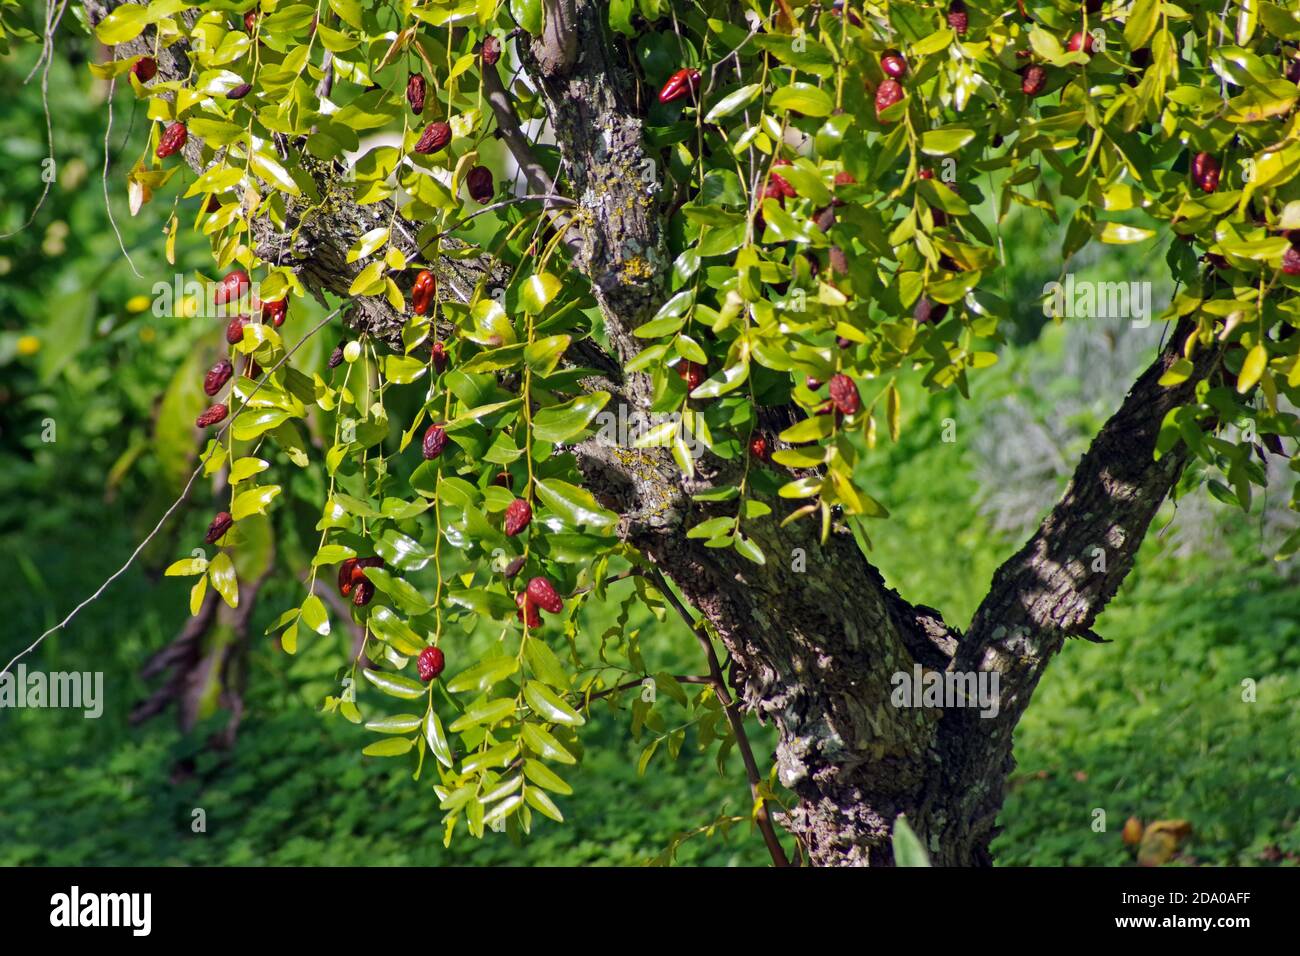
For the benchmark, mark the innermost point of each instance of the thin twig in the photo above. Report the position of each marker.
(108, 206)
(52, 20)
(176, 504)
(732, 709)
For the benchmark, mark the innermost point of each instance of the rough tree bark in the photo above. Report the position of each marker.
(813, 649)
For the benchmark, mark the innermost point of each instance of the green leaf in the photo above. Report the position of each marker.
(544, 355)
(908, 850)
(733, 102)
(946, 140)
(543, 804)
(394, 724)
(483, 674)
(562, 422)
(545, 777)
(395, 685)
(395, 632)
(254, 501)
(315, 616)
(802, 98)
(548, 705)
(123, 24)
(484, 712)
(221, 572)
(575, 506)
(538, 291)
(437, 739)
(542, 743)
(185, 567)
(393, 747)
(1252, 369)
(272, 172)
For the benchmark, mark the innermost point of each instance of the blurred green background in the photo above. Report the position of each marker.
(1151, 725)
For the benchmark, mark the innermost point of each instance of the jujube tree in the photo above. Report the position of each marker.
(735, 226)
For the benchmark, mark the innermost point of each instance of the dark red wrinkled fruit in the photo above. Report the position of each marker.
(422, 292)
(681, 83)
(925, 174)
(519, 515)
(958, 19)
(490, 50)
(1032, 79)
(435, 440)
(887, 94)
(345, 576)
(1081, 41)
(515, 566)
(336, 357)
(363, 593)
(1205, 172)
(527, 611)
(172, 139)
(145, 69)
(844, 393)
(235, 330)
(692, 373)
(503, 480)
(212, 415)
(439, 355)
(415, 90)
(845, 178)
(892, 64)
(929, 311)
(217, 377)
(275, 312)
(435, 137)
(220, 525)
(1292, 71)
(250, 20)
(758, 447)
(430, 664)
(542, 593)
(231, 288)
(1291, 261)
(479, 184)
(777, 186)
(239, 92)
(843, 343)
(812, 384)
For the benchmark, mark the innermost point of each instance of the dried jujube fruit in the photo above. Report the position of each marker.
(415, 91)
(542, 593)
(430, 664)
(682, 83)
(211, 416)
(435, 137)
(844, 393)
(435, 440)
(172, 139)
(217, 377)
(479, 184)
(422, 292)
(219, 526)
(519, 514)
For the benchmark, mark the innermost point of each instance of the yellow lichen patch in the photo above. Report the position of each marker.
(635, 269)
